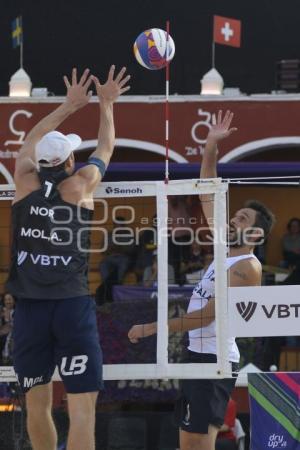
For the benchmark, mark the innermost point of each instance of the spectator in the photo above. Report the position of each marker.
(194, 276)
(293, 279)
(150, 273)
(6, 321)
(291, 243)
(294, 276)
(180, 228)
(193, 262)
(119, 255)
(147, 244)
(226, 440)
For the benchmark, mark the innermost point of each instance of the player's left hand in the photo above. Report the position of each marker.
(220, 128)
(138, 332)
(114, 85)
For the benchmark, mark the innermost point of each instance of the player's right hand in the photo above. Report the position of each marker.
(78, 94)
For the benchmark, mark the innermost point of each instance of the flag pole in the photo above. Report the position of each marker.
(213, 47)
(21, 45)
(21, 54)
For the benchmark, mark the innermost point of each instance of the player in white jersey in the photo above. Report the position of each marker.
(202, 404)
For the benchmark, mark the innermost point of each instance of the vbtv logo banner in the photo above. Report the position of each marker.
(263, 311)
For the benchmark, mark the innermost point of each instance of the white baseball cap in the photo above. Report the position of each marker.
(54, 148)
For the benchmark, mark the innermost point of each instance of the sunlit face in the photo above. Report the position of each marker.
(9, 301)
(241, 228)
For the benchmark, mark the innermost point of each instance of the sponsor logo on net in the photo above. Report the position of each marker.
(277, 311)
(246, 310)
(277, 441)
(119, 190)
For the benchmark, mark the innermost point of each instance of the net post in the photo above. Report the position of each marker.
(162, 285)
(220, 254)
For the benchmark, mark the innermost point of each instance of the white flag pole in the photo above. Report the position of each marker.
(213, 52)
(21, 45)
(21, 55)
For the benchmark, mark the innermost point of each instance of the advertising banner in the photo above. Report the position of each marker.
(191, 120)
(274, 411)
(264, 311)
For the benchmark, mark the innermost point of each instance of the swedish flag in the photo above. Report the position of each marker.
(17, 31)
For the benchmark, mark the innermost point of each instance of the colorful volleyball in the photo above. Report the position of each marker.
(154, 48)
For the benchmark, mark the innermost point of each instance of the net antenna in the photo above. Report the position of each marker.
(161, 190)
(167, 109)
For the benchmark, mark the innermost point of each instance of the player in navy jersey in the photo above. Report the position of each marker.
(55, 321)
(201, 407)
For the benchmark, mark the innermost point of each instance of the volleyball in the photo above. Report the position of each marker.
(154, 48)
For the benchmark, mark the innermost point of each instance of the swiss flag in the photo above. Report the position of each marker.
(227, 31)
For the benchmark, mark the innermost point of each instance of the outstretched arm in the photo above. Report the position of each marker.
(243, 273)
(77, 97)
(107, 93)
(220, 130)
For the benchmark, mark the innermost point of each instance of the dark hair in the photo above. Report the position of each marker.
(265, 219)
(293, 219)
(58, 168)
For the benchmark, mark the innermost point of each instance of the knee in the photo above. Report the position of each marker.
(84, 417)
(38, 409)
(197, 441)
(38, 415)
(82, 407)
(195, 446)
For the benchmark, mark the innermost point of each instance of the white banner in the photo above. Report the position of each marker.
(264, 311)
(126, 189)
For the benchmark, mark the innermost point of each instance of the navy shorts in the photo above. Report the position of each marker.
(62, 333)
(203, 402)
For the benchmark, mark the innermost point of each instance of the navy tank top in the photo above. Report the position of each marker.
(50, 244)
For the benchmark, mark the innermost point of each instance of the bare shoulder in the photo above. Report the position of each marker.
(73, 190)
(247, 272)
(25, 184)
(72, 185)
(89, 175)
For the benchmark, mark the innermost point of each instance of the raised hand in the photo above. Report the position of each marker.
(78, 94)
(113, 87)
(221, 127)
